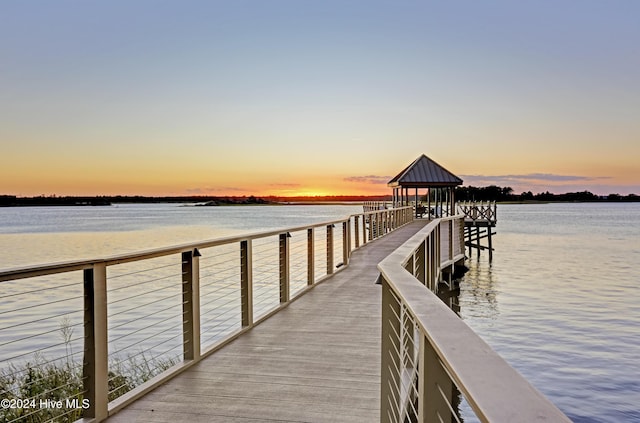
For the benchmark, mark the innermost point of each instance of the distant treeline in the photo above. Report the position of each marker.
(53, 200)
(496, 193)
(490, 193)
(329, 198)
(12, 200)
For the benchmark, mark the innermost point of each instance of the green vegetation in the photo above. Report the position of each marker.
(40, 381)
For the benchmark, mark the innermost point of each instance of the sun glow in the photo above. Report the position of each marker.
(310, 193)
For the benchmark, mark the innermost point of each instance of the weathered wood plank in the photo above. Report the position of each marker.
(318, 360)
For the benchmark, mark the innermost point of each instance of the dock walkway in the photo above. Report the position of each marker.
(318, 360)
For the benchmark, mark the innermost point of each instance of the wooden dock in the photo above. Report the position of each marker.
(317, 360)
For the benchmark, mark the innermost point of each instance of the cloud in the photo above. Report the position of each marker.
(532, 177)
(209, 190)
(540, 182)
(369, 179)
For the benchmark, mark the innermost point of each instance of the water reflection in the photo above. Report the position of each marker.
(478, 291)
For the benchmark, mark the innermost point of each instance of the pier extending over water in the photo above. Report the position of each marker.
(329, 346)
(317, 360)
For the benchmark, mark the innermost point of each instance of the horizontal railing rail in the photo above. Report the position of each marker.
(131, 321)
(429, 354)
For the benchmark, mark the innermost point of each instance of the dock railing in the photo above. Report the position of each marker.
(130, 322)
(479, 211)
(427, 349)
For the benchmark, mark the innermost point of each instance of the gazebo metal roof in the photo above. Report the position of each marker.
(424, 173)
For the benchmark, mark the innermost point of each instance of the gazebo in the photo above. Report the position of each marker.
(438, 182)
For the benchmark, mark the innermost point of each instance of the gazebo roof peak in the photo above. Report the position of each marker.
(424, 173)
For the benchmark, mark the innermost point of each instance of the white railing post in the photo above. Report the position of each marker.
(371, 226)
(461, 235)
(284, 267)
(346, 242)
(385, 222)
(191, 304)
(433, 261)
(451, 239)
(409, 265)
(329, 249)
(246, 282)
(390, 356)
(95, 367)
(310, 258)
(438, 255)
(422, 268)
(356, 233)
(435, 388)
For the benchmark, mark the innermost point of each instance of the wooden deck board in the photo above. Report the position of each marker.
(318, 360)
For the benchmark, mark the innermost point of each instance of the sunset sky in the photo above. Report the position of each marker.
(316, 97)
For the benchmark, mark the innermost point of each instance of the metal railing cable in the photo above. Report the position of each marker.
(137, 272)
(42, 319)
(31, 307)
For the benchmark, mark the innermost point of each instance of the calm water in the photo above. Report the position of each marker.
(33, 235)
(560, 301)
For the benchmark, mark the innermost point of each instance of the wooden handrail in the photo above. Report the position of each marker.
(448, 350)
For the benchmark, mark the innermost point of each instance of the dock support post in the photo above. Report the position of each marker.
(490, 244)
(95, 366)
(284, 267)
(478, 241)
(246, 283)
(191, 304)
